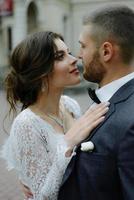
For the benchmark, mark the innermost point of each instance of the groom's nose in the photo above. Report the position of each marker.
(80, 54)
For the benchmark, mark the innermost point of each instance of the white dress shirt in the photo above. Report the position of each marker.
(106, 92)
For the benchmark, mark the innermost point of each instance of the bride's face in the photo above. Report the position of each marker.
(65, 72)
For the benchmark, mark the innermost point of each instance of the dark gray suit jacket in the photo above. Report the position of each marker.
(106, 173)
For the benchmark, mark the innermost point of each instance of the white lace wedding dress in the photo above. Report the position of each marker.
(37, 152)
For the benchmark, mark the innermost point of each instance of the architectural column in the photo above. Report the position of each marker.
(1, 49)
(20, 21)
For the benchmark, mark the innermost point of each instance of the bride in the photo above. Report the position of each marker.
(45, 133)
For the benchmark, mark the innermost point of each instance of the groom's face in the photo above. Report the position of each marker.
(89, 53)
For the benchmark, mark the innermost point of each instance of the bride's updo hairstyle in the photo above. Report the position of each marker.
(31, 61)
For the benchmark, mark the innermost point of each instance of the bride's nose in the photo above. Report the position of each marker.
(74, 59)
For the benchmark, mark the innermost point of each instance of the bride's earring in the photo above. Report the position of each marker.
(43, 89)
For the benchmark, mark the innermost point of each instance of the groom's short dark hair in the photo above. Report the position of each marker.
(116, 24)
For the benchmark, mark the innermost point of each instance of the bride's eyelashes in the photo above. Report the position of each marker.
(60, 55)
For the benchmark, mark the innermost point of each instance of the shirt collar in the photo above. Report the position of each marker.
(107, 91)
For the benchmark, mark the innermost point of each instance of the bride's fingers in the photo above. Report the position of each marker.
(97, 108)
(95, 123)
(28, 194)
(99, 113)
(92, 117)
(88, 127)
(85, 124)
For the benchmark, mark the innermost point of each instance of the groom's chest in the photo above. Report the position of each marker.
(102, 160)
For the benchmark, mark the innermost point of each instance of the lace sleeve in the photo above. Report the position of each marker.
(72, 106)
(30, 156)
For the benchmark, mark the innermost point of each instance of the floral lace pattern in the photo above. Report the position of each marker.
(37, 152)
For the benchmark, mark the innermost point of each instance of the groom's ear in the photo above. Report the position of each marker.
(106, 51)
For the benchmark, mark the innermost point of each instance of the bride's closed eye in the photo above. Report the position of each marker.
(59, 55)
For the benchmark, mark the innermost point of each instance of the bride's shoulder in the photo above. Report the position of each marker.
(71, 105)
(23, 118)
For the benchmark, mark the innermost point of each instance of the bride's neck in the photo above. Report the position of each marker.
(48, 103)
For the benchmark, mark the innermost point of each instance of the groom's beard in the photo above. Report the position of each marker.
(95, 71)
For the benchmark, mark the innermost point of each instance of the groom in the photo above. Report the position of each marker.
(107, 51)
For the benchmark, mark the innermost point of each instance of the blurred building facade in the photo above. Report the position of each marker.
(21, 17)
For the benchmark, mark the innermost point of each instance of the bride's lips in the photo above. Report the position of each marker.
(75, 70)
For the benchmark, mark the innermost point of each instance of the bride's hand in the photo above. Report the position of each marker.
(26, 191)
(85, 124)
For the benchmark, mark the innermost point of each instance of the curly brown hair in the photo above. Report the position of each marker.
(31, 60)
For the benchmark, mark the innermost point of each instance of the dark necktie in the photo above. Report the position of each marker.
(93, 95)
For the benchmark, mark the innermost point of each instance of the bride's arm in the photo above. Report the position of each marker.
(42, 175)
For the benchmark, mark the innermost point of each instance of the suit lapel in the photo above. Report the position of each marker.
(110, 112)
(69, 170)
(71, 164)
(121, 95)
